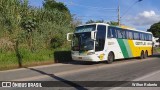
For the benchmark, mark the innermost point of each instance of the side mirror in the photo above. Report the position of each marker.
(93, 35)
(68, 36)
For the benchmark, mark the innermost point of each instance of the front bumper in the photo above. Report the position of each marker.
(93, 58)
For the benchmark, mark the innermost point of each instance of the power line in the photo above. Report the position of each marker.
(130, 8)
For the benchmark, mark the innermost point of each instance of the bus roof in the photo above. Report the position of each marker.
(116, 27)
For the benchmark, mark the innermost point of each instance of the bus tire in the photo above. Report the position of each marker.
(146, 54)
(142, 55)
(110, 58)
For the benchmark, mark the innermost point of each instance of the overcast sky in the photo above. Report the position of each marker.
(140, 15)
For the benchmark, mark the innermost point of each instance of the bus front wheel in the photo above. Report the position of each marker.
(110, 58)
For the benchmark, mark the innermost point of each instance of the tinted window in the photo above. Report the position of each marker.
(100, 38)
(109, 33)
(147, 37)
(121, 34)
(142, 36)
(129, 34)
(136, 36)
(150, 37)
(112, 32)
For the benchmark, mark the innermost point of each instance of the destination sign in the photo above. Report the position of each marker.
(85, 28)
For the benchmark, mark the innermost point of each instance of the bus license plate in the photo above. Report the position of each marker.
(80, 57)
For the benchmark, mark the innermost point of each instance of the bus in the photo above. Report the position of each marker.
(102, 42)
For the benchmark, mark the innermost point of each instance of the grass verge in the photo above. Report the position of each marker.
(8, 60)
(158, 49)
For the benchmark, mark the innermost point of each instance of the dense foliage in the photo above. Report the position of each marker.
(27, 31)
(155, 29)
(102, 21)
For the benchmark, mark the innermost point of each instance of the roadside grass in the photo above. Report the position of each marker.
(8, 60)
(36, 56)
(158, 49)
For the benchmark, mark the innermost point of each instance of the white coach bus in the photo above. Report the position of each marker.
(100, 42)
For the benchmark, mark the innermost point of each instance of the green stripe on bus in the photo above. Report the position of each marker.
(128, 47)
(123, 48)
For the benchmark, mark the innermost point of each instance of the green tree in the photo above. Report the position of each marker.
(102, 21)
(10, 21)
(97, 21)
(90, 21)
(26, 29)
(155, 29)
(75, 21)
(113, 23)
(52, 4)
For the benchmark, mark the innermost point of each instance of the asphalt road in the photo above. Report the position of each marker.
(121, 70)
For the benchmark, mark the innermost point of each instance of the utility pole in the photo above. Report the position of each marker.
(119, 16)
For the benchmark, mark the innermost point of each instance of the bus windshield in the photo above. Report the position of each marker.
(82, 38)
(82, 42)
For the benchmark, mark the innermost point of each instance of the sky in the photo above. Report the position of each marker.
(140, 15)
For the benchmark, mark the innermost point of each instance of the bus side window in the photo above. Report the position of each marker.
(114, 33)
(142, 36)
(136, 36)
(139, 34)
(121, 34)
(109, 35)
(129, 34)
(147, 37)
(150, 37)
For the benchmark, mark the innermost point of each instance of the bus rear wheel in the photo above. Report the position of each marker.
(146, 54)
(110, 58)
(142, 55)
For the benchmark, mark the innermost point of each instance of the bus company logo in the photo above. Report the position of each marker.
(6, 84)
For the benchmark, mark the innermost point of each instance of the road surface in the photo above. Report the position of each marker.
(121, 70)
